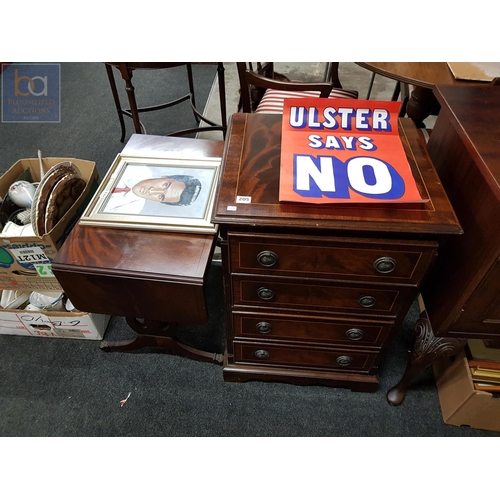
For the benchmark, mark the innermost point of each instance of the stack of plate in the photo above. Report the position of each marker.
(58, 190)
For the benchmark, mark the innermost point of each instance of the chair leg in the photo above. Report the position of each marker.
(222, 97)
(396, 91)
(127, 76)
(370, 86)
(405, 95)
(114, 91)
(326, 75)
(332, 74)
(191, 90)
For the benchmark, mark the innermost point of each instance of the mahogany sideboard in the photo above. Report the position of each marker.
(462, 294)
(314, 293)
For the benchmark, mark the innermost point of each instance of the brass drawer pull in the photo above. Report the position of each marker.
(344, 360)
(265, 293)
(261, 354)
(267, 258)
(385, 265)
(263, 327)
(366, 301)
(354, 334)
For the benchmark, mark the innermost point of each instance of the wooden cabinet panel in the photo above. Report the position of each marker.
(332, 258)
(347, 331)
(461, 295)
(481, 312)
(272, 293)
(297, 356)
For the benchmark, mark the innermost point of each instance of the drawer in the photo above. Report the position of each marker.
(360, 259)
(347, 331)
(304, 357)
(273, 293)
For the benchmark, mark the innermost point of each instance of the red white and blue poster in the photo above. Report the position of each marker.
(344, 151)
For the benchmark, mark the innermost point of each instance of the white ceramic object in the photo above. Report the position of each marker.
(31, 307)
(22, 193)
(12, 299)
(10, 229)
(69, 306)
(46, 301)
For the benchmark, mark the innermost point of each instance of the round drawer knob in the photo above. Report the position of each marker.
(354, 334)
(265, 293)
(366, 301)
(263, 327)
(385, 265)
(261, 354)
(344, 360)
(267, 258)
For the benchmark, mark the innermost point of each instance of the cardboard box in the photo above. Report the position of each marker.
(74, 325)
(25, 261)
(461, 404)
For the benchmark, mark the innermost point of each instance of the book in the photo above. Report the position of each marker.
(484, 363)
(481, 386)
(344, 151)
(485, 375)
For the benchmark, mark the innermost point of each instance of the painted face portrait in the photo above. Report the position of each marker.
(172, 190)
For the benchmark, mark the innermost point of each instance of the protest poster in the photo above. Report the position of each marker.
(344, 151)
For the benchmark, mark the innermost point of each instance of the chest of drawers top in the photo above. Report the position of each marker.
(251, 168)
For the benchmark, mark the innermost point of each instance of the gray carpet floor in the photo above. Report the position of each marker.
(61, 387)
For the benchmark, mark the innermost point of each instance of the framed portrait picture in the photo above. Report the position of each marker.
(171, 194)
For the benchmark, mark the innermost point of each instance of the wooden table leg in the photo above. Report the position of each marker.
(426, 351)
(160, 334)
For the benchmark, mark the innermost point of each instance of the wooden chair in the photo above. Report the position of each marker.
(401, 88)
(127, 69)
(276, 90)
(332, 74)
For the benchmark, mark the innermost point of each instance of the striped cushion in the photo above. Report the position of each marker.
(272, 102)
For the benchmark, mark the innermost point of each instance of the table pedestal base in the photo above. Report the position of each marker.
(421, 105)
(160, 334)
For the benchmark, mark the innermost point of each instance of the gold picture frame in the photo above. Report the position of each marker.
(163, 194)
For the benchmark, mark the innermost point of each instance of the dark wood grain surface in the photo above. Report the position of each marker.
(475, 118)
(155, 275)
(465, 149)
(144, 274)
(145, 254)
(421, 74)
(254, 143)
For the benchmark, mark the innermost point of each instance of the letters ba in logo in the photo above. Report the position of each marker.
(22, 81)
(328, 176)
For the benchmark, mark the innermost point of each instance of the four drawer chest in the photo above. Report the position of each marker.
(314, 293)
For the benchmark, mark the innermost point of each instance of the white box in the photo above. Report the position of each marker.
(74, 325)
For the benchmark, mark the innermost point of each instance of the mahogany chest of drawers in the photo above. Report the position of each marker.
(314, 293)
